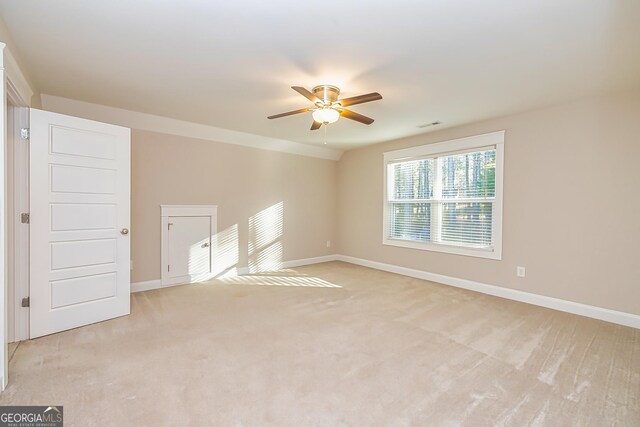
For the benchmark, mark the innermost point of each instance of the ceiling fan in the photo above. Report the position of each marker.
(328, 108)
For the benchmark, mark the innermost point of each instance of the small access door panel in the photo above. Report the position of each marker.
(189, 246)
(79, 237)
(187, 240)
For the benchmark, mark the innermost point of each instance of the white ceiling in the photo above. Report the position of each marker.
(230, 64)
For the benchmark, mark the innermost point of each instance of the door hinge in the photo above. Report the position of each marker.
(25, 133)
(25, 218)
(168, 267)
(26, 302)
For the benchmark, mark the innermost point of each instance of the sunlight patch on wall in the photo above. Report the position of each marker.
(199, 259)
(265, 234)
(221, 260)
(225, 252)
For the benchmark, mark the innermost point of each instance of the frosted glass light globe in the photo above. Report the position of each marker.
(326, 115)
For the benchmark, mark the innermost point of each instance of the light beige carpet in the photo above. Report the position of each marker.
(332, 345)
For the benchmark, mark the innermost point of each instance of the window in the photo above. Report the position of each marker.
(446, 197)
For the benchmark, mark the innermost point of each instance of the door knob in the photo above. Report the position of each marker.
(205, 245)
(124, 231)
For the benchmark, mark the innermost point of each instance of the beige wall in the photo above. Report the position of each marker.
(243, 182)
(5, 38)
(571, 204)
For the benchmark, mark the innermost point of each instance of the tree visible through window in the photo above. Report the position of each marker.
(444, 199)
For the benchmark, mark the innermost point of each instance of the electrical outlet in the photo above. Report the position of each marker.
(328, 243)
(520, 271)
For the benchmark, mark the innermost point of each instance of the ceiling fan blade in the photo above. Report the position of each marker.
(302, 91)
(360, 99)
(348, 114)
(290, 113)
(315, 125)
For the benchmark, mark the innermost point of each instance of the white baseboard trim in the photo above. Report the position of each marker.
(241, 271)
(309, 261)
(145, 286)
(618, 317)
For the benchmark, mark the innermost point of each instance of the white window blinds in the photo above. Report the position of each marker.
(444, 199)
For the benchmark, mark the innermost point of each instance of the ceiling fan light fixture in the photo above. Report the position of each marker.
(326, 115)
(328, 108)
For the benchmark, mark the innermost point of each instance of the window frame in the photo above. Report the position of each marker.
(440, 149)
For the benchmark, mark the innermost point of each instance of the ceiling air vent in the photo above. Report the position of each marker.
(426, 125)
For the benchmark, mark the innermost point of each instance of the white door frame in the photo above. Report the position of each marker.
(14, 88)
(4, 354)
(19, 95)
(18, 247)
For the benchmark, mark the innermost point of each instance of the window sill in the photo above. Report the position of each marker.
(494, 253)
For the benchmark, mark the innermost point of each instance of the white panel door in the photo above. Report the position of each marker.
(189, 246)
(79, 237)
